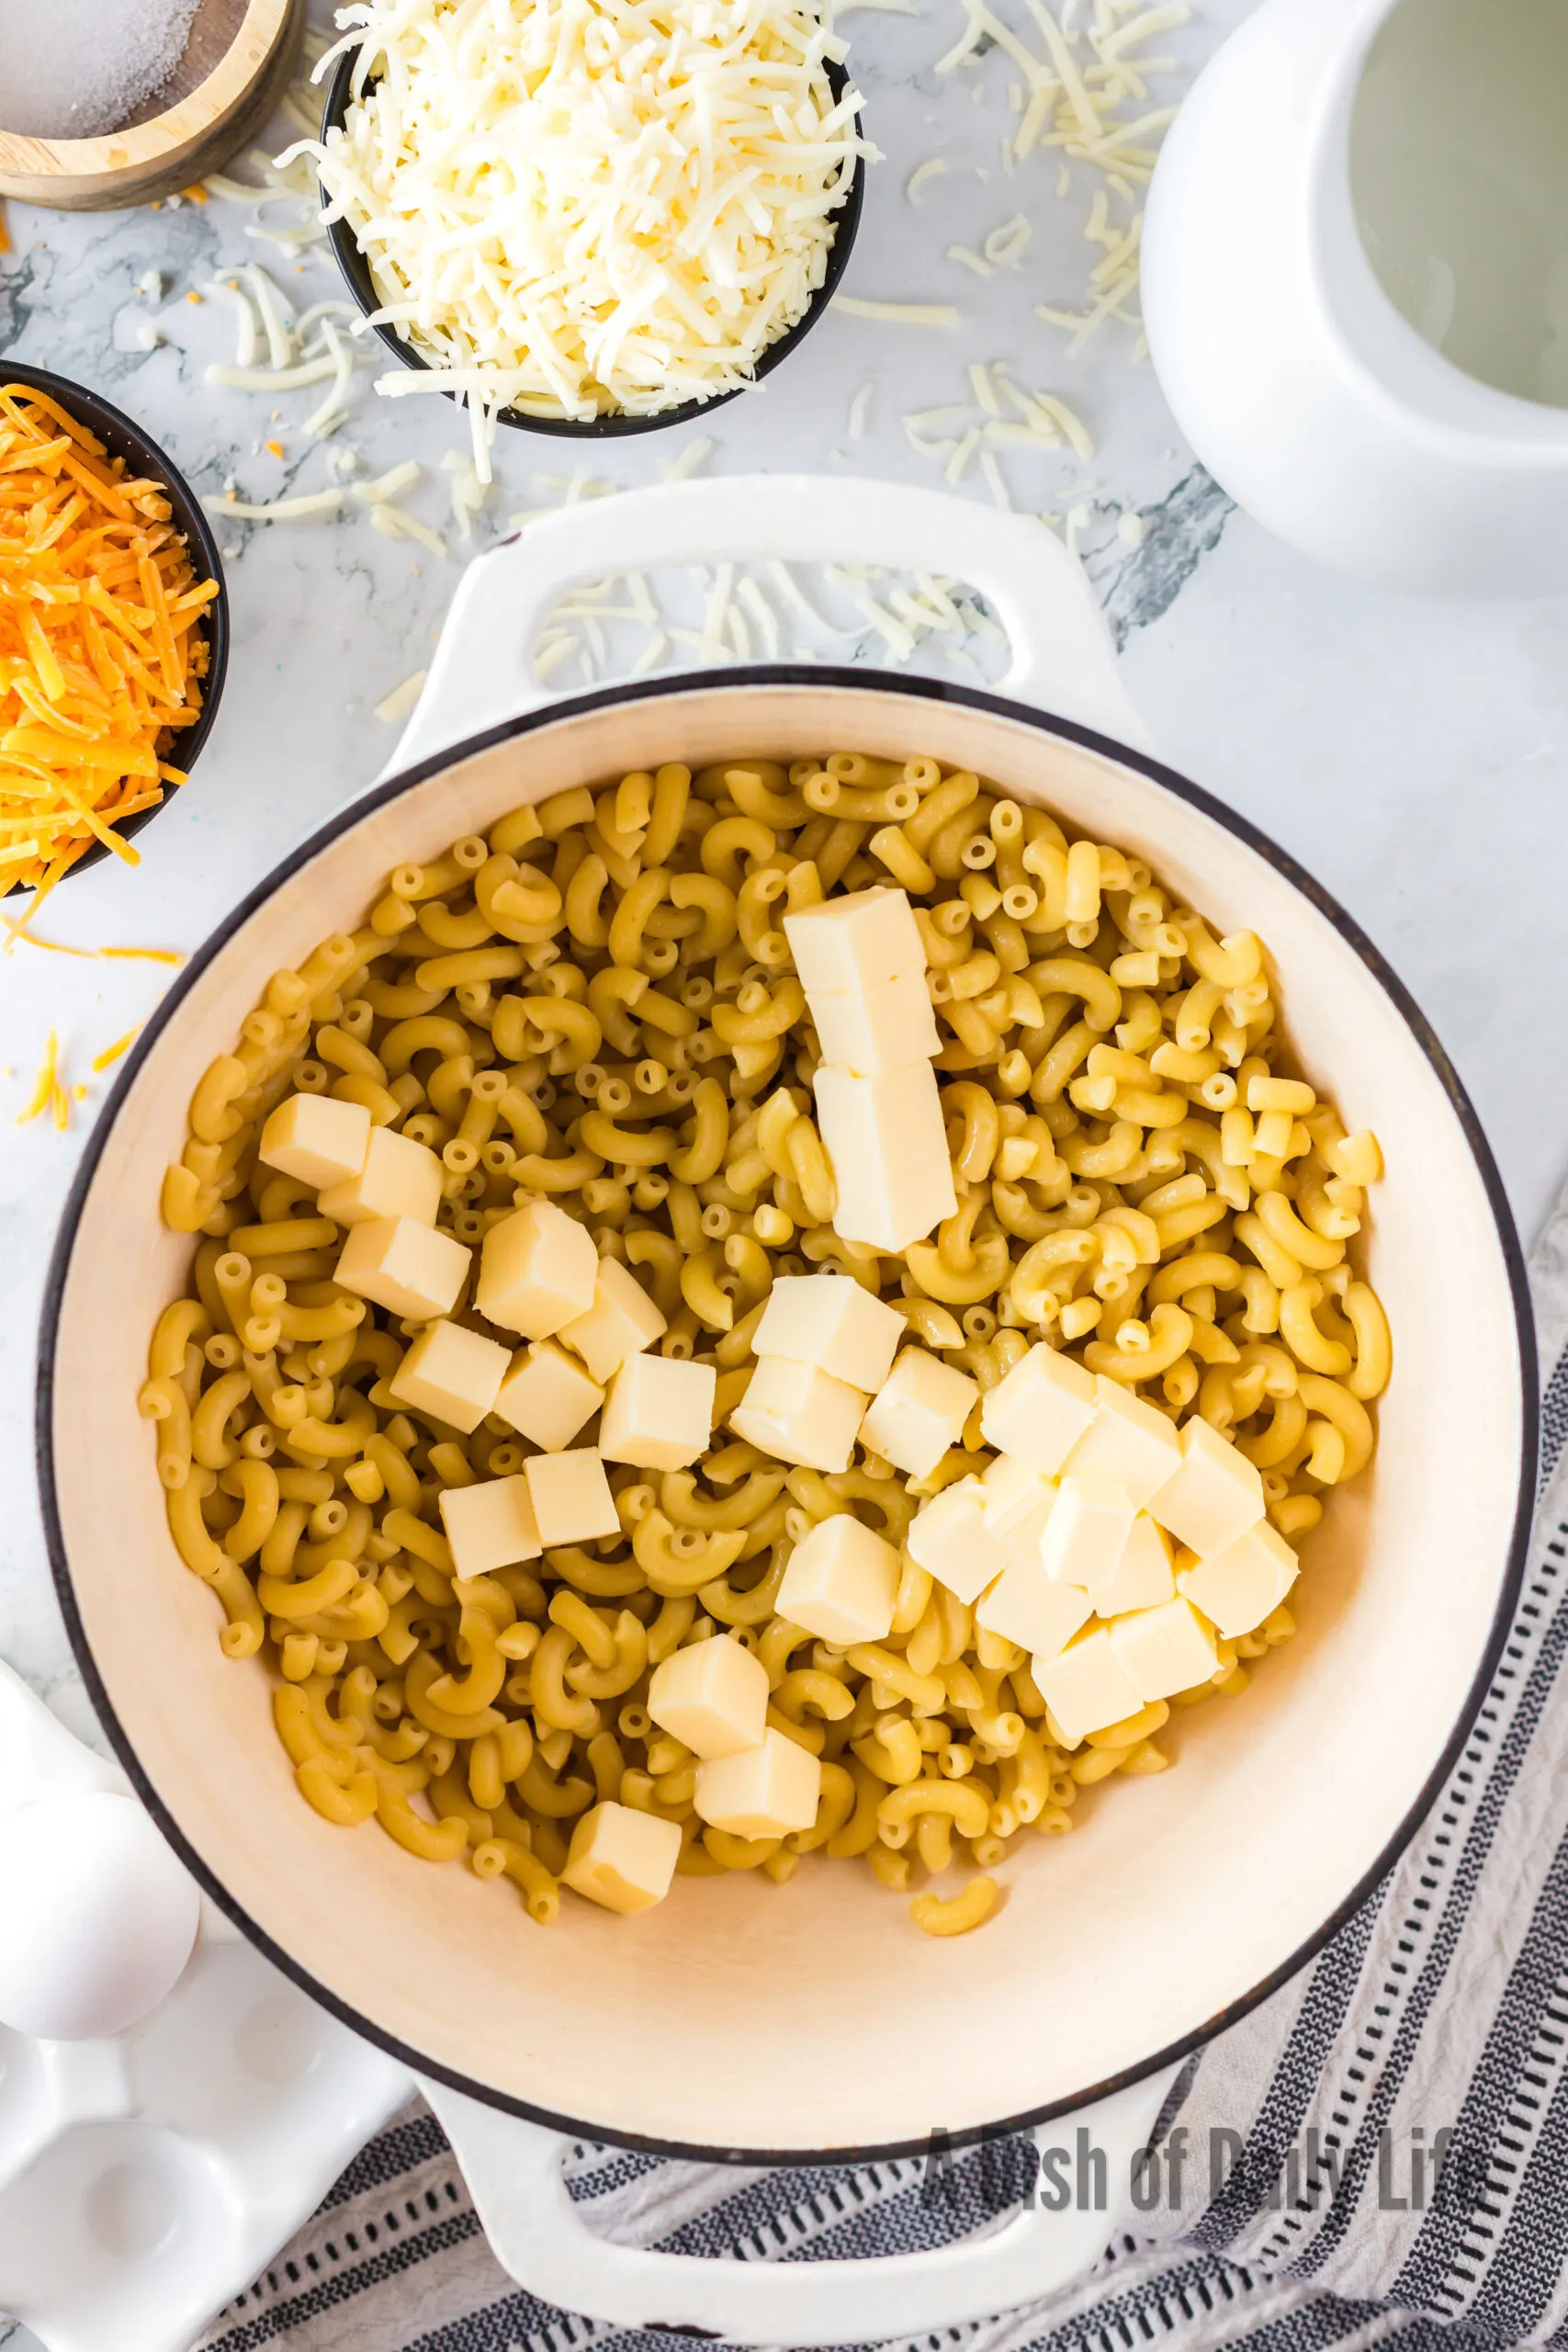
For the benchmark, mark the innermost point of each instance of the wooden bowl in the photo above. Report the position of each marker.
(238, 60)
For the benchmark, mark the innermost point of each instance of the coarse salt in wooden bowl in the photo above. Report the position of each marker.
(238, 61)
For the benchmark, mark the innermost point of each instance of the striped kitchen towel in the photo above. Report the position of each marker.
(1376, 2152)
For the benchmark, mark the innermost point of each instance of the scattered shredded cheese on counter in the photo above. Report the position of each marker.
(904, 314)
(1088, 98)
(102, 651)
(573, 208)
(401, 700)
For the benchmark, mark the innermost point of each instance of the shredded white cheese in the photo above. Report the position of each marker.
(303, 509)
(906, 314)
(401, 700)
(575, 206)
(931, 169)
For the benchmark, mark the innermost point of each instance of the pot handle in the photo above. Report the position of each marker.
(483, 676)
(513, 2172)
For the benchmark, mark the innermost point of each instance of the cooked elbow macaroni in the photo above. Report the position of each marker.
(597, 1007)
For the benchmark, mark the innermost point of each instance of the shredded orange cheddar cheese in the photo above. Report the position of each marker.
(43, 1090)
(102, 652)
(112, 1053)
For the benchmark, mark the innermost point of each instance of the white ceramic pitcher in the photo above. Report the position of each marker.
(1299, 383)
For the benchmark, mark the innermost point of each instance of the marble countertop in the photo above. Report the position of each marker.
(1414, 756)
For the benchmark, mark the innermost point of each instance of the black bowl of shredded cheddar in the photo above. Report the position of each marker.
(114, 631)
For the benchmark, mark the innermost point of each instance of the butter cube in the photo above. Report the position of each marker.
(1024, 1606)
(919, 1412)
(1086, 1533)
(1087, 1686)
(1041, 1411)
(877, 1028)
(316, 1139)
(538, 1269)
(571, 1497)
(771, 1789)
(1215, 1495)
(831, 1322)
(1129, 1443)
(1164, 1650)
(800, 1414)
(490, 1525)
(888, 1149)
(546, 1396)
(659, 1412)
(398, 1178)
(712, 1696)
(841, 1582)
(1244, 1583)
(452, 1373)
(1141, 1578)
(404, 1265)
(948, 1537)
(849, 943)
(1019, 1502)
(622, 1320)
(622, 1857)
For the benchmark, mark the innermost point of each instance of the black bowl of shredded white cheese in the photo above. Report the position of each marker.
(836, 151)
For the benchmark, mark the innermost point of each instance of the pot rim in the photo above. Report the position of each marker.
(917, 689)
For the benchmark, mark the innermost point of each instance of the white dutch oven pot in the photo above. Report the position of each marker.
(1303, 390)
(813, 2022)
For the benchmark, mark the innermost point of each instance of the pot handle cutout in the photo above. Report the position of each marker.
(483, 674)
(513, 2172)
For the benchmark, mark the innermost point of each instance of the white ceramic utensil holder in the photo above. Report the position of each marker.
(483, 676)
(147, 2177)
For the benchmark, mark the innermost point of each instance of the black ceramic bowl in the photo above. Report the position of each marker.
(357, 273)
(144, 457)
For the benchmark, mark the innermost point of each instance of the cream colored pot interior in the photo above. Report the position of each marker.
(815, 2015)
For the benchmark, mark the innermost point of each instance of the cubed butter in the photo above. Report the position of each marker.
(712, 1696)
(621, 1858)
(1129, 1444)
(405, 1266)
(1041, 1411)
(659, 1412)
(1019, 1502)
(948, 1537)
(622, 1321)
(538, 1269)
(398, 1178)
(877, 1028)
(316, 1140)
(829, 1320)
(1244, 1583)
(1024, 1606)
(490, 1525)
(765, 1792)
(888, 1149)
(1214, 1496)
(571, 1497)
(1164, 1650)
(800, 1414)
(452, 1373)
(919, 1412)
(849, 943)
(1142, 1577)
(1087, 1532)
(841, 1582)
(546, 1396)
(1087, 1686)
